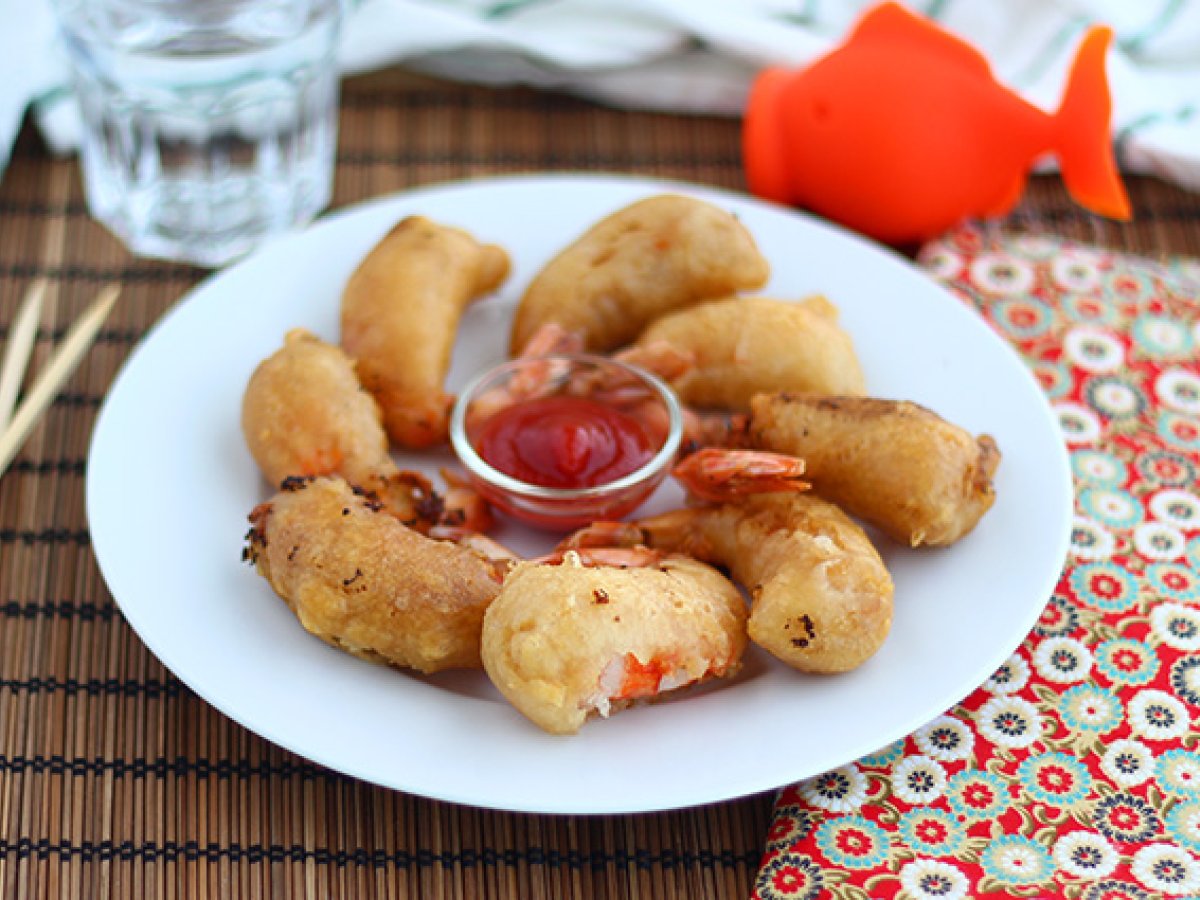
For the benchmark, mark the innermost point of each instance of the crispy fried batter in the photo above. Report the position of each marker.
(360, 580)
(400, 314)
(743, 346)
(821, 598)
(657, 255)
(304, 413)
(897, 465)
(565, 641)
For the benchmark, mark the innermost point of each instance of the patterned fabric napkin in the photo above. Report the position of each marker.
(1074, 771)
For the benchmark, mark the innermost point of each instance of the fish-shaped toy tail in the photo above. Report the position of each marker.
(1084, 149)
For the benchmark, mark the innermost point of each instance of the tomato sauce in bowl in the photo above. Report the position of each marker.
(564, 442)
(545, 440)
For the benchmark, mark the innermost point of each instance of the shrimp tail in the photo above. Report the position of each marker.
(664, 359)
(604, 535)
(407, 495)
(634, 557)
(463, 506)
(552, 339)
(708, 429)
(499, 558)
(672, 532)
(717, 475)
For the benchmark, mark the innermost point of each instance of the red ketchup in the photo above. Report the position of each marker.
(564, 442)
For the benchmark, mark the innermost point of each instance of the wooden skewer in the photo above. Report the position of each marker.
(18, 348)
(55, 373)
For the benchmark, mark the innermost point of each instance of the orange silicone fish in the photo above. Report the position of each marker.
(903, 131)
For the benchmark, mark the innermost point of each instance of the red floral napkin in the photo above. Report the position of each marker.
(1075, 770)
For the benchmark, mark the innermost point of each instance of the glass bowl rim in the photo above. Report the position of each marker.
(480, 468)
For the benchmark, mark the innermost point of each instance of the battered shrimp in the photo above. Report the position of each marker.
(919, 478)
(400, 313)
(742, 346)
(657, 255)
(304, 413)
(821, 598)
(359, 579)
(565, 641)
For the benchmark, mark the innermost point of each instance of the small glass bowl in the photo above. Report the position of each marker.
(563, 509)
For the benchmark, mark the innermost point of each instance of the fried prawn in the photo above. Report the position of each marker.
(821, 598)
(897, 465)
(359, 579)
(399, 318)
(745, 345)
(657, 255)
(305, 413)
(566, 641)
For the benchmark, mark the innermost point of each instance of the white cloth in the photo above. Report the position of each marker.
(700, 56)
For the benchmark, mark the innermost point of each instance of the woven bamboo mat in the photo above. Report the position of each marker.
(115, 780)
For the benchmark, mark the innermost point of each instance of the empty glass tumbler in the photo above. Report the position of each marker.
(208, 125)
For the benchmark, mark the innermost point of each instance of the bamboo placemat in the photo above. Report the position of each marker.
(115, 780)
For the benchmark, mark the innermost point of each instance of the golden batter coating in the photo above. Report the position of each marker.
(821, 598)
(655, 256)
(563, 642)
(304, 413)
(897, 465)
(360, 580)
(743, 346)
(400, 314)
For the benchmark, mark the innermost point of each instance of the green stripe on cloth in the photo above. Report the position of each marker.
(1048, 53)
(1167, 14)
(1122, 138)
(935, 8)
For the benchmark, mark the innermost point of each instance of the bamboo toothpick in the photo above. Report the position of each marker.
(59, 368)
(18, 348)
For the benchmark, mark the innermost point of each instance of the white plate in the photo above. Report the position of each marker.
(170, 484)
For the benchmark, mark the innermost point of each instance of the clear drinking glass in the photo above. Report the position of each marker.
(208, 125)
